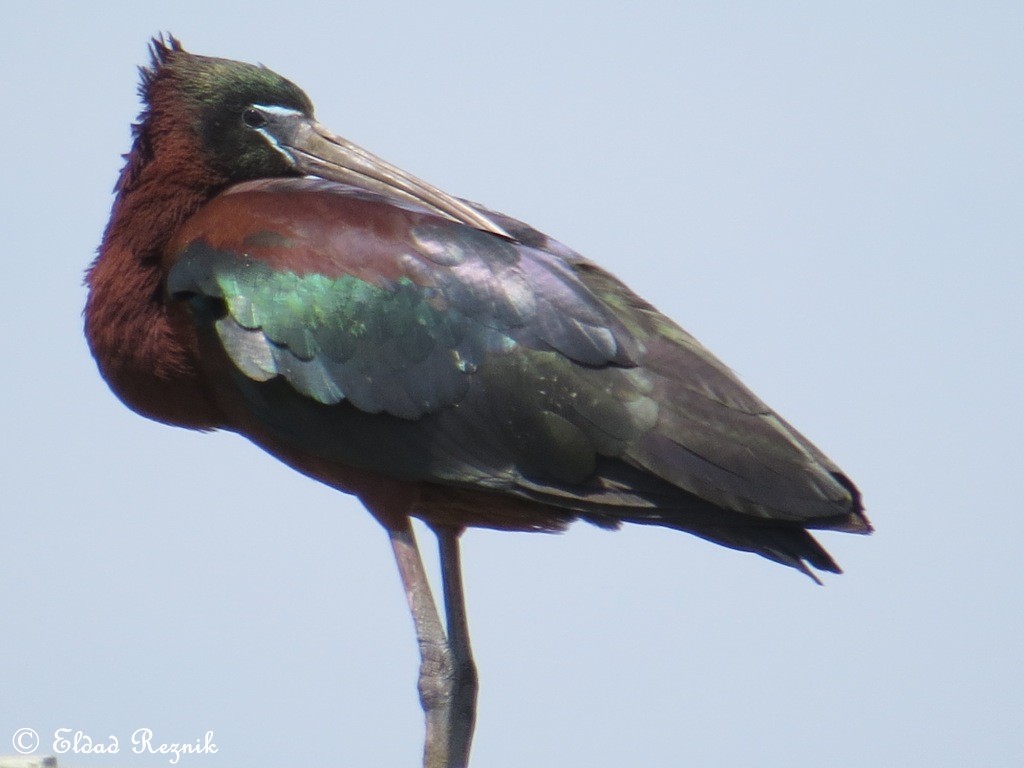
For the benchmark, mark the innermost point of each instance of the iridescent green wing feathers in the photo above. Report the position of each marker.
(336, 339)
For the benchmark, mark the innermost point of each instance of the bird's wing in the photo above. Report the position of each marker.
(390, 339)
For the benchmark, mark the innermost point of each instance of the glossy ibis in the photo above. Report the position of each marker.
(437, 359)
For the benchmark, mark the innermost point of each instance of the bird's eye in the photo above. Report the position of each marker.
(254, 118)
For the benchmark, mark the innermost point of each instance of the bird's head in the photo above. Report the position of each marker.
(227, 122)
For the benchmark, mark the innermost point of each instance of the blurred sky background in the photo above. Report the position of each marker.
(828, 195)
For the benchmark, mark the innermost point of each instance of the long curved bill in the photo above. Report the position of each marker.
(315, 151)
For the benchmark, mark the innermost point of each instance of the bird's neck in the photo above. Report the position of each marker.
(144, 346)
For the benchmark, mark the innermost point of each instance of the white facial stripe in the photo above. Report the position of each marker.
(280, 111)
(275, 109)
(272, 141)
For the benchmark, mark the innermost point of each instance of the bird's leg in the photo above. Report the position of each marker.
(447, 681)
(464, 678)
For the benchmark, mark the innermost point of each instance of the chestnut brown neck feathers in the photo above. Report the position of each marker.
(143, 348)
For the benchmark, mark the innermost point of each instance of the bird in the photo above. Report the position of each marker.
(436, 359)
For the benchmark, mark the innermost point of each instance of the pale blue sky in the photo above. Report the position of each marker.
(828, 195)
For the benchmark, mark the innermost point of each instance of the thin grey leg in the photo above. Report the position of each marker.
(464, 682)
(447, 680)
